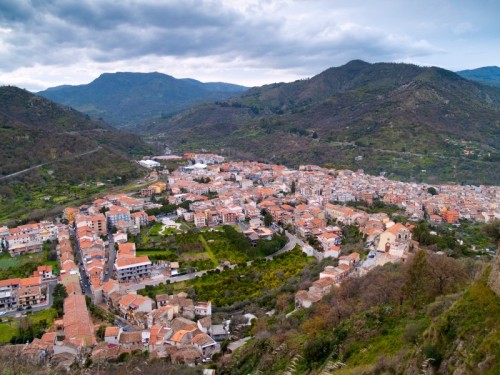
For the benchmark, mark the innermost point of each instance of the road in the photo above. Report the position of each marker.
(292, 242)
(111, 258)
(50, 162)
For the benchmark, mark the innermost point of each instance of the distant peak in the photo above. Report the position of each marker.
(357, 63)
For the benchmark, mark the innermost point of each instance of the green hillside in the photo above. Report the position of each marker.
(70, 154)
(426, 317)
(131, 98)
(414, 123)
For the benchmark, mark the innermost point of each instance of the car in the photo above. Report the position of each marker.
(371, 256)
(28, 307)
(2, 313)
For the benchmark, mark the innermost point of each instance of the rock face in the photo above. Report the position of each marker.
(494, 280)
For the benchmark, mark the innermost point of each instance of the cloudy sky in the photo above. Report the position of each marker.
(45, 43)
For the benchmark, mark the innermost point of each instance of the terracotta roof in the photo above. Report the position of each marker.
(30, 281)
(130, 337)
(112, 331)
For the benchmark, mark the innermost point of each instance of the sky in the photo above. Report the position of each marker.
(46, 43)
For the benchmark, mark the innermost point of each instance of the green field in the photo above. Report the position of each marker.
(6, 261)
(35, 323)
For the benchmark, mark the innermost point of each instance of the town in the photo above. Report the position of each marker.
(105, 273)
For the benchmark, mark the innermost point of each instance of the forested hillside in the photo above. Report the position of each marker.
(68, 154)
(414, 123)
(131, 98)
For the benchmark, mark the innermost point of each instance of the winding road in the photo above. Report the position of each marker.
(51, 162)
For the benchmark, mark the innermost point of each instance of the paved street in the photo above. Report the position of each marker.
(111, 258)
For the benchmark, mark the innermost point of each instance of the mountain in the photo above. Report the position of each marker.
(411, 122)
(69, 153)
(130, 98)
(488, 75)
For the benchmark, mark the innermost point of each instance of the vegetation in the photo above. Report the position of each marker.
(71, 153)
(248, 283)
(132, 98)
(261, 283)
(202, 250)
(58, 296)
(24, 265)
(27, 327)
(403, 120)
(376, 324)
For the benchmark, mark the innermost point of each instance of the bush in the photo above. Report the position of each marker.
(316, 350)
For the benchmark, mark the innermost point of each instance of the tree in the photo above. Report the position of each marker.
(268, 219)
(100, 332)
(293, 187)
(432, 190)
(447, 274)
(58, 297)
(493, 230)
(416, 287)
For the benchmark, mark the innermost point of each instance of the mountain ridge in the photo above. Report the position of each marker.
(382, 112)
(125, 98)
(488, 75)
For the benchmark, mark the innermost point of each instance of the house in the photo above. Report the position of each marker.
(181, 337)
(350, 260)
(78, 328)
(205, 324)
(332, 252)
(8, 294)
(45, 272)
(336, 273)
(203, 308)
(140, 218)
(128, 269)
(131, 304)
(200, 220)
(219, 332)
(131, 340)
(396, 234)
(112, 335)
(451, 216)
(116, 214)
(158, 337)
(204, 344)
(30, 292)
(109, 287)
(162, 315)
(305, 299)
(322, 286)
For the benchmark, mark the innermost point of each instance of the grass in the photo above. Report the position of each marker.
(209, 251)
(6, 261)
(10, 329)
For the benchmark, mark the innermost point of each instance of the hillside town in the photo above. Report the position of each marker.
(97, 259)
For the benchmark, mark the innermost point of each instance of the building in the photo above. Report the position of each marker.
(149, 163)
(394, 236)
(78, 328)
(116, 214)
(132, 269)
(200, 220)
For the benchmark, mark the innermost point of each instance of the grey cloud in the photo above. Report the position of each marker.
(59, 32)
